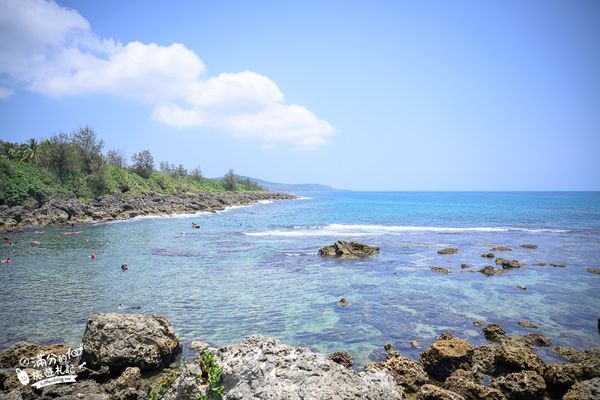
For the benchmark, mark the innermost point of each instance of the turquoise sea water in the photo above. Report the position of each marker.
(256, 270)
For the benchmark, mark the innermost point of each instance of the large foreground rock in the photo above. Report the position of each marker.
(134, 340)
(446, 355)
(10, 358)
(263, 368)
(348, 250)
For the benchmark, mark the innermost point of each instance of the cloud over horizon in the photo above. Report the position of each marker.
(52, 50)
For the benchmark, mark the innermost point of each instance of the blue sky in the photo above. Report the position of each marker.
(398, 95)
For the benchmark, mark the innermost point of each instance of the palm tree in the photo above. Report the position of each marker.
(8, 149)
(31, 152)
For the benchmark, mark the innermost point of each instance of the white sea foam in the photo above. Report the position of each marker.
(184, 215)
(229, 208)
(160, 216)
(375, 230)
(303, 198)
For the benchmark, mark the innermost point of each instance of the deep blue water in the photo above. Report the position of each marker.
(256, 270)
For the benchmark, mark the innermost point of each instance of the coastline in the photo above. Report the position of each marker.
(120, 207)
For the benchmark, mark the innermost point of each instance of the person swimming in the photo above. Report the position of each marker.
(124, 267)
(92, 257)
(8, 241)
(124, 307)
(195, 225)
(7, 261)
(35, 242)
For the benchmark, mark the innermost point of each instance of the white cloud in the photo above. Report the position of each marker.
(52, 50)
(5, 93)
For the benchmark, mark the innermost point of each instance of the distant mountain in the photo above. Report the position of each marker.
(291, 187)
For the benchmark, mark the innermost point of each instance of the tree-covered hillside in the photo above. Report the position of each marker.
(74, 166)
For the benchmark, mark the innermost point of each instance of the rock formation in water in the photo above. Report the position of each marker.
(448, 251)
(343, 249)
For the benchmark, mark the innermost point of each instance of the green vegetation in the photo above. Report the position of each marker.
(162, 385)
(211, 375)
(73, 166)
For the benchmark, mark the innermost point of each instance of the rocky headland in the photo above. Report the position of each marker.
(136, 356)
(119, 206)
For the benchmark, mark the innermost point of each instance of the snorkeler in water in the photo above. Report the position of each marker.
(124, 267)
(124, 307)
(7, 261)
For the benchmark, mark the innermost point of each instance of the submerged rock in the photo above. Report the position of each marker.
(536, 340)
(448, 251)
(343, 249)
(594, 270)
(488, 255)
(524, 385)
(494, 332)
(501, 248)
(488, 270)
(529, 246)
(129, 340)
(542, 264)
(508, 264)
(465, 266)
(439, 270)
(446, 355)
(263, 368)
(527, 324)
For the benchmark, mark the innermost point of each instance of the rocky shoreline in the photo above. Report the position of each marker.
(136, 356)
(118, 207)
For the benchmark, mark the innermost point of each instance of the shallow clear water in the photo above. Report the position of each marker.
(256, 270)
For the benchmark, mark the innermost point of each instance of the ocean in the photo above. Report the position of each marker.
(255, 269)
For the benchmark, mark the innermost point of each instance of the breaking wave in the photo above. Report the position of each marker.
(374, 230)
